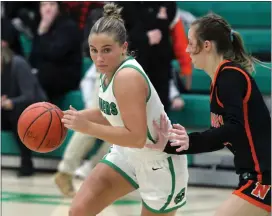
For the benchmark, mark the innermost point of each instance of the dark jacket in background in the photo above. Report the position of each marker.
(79, 11)
(57, 57)
(85, 14)
(140, 17)
(20, 85)
(26, 11)
(10, 35)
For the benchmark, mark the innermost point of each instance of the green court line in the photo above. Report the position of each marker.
(34, 201)
(45, 199)
(29, 195)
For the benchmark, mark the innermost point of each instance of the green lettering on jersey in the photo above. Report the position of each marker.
(100, 104)
(113, 108)
(107, 108)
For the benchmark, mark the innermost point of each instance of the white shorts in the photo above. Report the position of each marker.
(162, 183)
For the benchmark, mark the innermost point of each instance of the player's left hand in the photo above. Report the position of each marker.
(73, 120)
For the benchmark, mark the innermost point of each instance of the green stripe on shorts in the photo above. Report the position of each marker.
(121, 172)
(172, 171)
(164, 211)
(170, 197)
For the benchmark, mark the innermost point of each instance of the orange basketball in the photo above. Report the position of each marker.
(40, 127)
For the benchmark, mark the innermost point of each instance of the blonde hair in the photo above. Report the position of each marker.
(111, 23)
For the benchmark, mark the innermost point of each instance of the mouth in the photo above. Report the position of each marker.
(101, 66)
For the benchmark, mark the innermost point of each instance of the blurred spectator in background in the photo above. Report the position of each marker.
(84, 14)
(186, 17)
(19, 89)
(24, 15)
(79, 11)
(10, 36)
(56, 51)
(155, 31)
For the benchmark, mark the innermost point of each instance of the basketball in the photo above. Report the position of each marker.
(40, 128)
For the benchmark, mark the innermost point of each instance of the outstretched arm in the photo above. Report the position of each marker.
(232, 131)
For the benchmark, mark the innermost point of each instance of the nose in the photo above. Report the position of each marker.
(99, 58)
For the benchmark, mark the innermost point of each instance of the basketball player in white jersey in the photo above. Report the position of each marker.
(129, 105)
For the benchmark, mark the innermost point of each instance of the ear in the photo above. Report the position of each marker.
(207, 45)
(125, 47)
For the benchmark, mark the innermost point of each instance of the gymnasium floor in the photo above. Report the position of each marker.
(38, 196)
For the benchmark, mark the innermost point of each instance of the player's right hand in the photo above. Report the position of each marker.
(179, 137)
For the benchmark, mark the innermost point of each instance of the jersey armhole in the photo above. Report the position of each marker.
(142, 73)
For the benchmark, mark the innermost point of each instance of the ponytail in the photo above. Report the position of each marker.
(240, 55)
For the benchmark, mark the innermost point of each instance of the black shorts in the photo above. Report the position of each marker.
(255, 193)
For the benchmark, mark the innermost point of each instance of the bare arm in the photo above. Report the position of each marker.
(94, 115)
(131, 90)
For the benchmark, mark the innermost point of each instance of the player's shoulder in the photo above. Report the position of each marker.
(233, 72)
(233, 67)
(129, 68)
(127, 74)
(130, 73)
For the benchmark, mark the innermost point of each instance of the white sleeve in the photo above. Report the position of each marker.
(173, 91)
(87, 85)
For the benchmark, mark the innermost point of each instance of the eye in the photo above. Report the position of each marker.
(93, 50)
(106, 50)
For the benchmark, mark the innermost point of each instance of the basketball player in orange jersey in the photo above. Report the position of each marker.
(240, 119)
(128, 105)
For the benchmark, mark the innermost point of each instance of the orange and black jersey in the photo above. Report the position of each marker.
(240, 121)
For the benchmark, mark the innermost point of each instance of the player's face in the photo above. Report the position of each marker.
(49, 9)
(197, 54)
(106, 53)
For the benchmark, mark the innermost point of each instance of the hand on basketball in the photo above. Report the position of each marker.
(162, 132)
(179, 137)
(74, 121)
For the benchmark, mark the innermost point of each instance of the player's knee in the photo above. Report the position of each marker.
(76, 210)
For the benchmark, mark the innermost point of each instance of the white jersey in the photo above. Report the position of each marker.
(110, 110)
